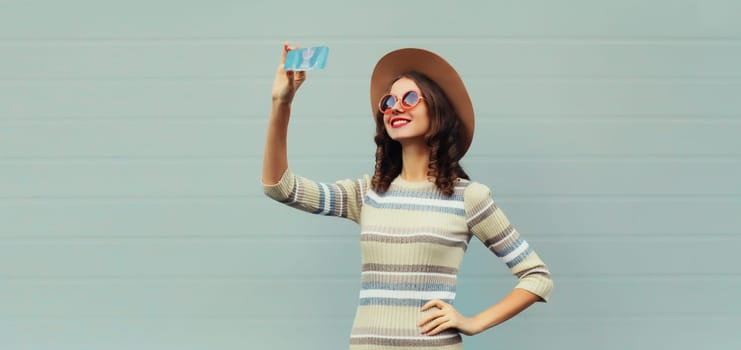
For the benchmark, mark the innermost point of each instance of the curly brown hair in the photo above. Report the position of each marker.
(444, 139)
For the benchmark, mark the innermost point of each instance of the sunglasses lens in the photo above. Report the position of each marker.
(387, 102)
(410, 99)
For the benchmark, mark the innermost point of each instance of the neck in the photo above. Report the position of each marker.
(415, 158)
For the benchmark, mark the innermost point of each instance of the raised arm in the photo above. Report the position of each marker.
(342, 198)
(275, 159)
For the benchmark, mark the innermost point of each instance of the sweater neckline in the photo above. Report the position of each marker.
(412, 184)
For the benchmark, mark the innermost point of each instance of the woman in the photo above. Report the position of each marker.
(418, 211)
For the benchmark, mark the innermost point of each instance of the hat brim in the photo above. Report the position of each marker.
(436, 68)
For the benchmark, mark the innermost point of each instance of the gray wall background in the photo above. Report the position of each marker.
(131, 137)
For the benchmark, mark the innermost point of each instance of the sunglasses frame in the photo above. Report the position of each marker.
(400, 101)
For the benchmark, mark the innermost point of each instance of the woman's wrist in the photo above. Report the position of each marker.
(281, 107)
(282, 102)
(281, 112)
(478, 323)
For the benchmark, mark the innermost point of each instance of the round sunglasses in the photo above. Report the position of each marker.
(409, 100)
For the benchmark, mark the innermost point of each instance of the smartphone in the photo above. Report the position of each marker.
(308, 58)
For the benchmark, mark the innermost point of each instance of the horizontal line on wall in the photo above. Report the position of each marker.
(363, 78)
(203, 119)
(477, 40)
(601, 276)
(364, 158)
(131, 197)
(195, 318)
(499, 77)
(510, 197)
(346, 318)
(669, 158)
(352, 236)
(597, 118)
(125, 158)
(362, 118)
(541, 237)
(617, 315)
(637, 316)
(5, 319)
(257, 278)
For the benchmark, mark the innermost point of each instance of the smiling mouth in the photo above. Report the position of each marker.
(399, 122)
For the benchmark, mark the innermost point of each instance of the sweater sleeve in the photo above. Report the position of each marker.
(489, 224)
(343, 198)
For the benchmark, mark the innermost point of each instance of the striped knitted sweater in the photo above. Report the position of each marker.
(413, 238)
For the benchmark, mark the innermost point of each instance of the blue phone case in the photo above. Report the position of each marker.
(307, 58)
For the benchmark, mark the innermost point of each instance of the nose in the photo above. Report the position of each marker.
(396, 108)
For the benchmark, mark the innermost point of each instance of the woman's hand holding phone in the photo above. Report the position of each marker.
(286, 82)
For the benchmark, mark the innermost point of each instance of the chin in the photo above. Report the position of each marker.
(406, 138)
(402, 134)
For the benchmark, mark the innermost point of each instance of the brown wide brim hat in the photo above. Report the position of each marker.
(394, 63)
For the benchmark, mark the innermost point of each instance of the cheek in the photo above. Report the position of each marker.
(381, 122)
(385, 119)
(424, 119)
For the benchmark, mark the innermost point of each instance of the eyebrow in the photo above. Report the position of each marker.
(405, 91)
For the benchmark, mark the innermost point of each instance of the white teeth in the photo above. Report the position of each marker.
(399, 122)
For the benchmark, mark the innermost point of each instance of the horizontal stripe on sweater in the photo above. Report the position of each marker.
(411, 333)
(326, 199)
(516, 253)
(463, 235)
(425, 195)
(406, 294)
(416, 204)
(500, 238)
(408, 278)
(426, 287)
(409, 341)
(413, 238)
(410, 268)
(421, 274)
(481, 212)
(399, 302)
